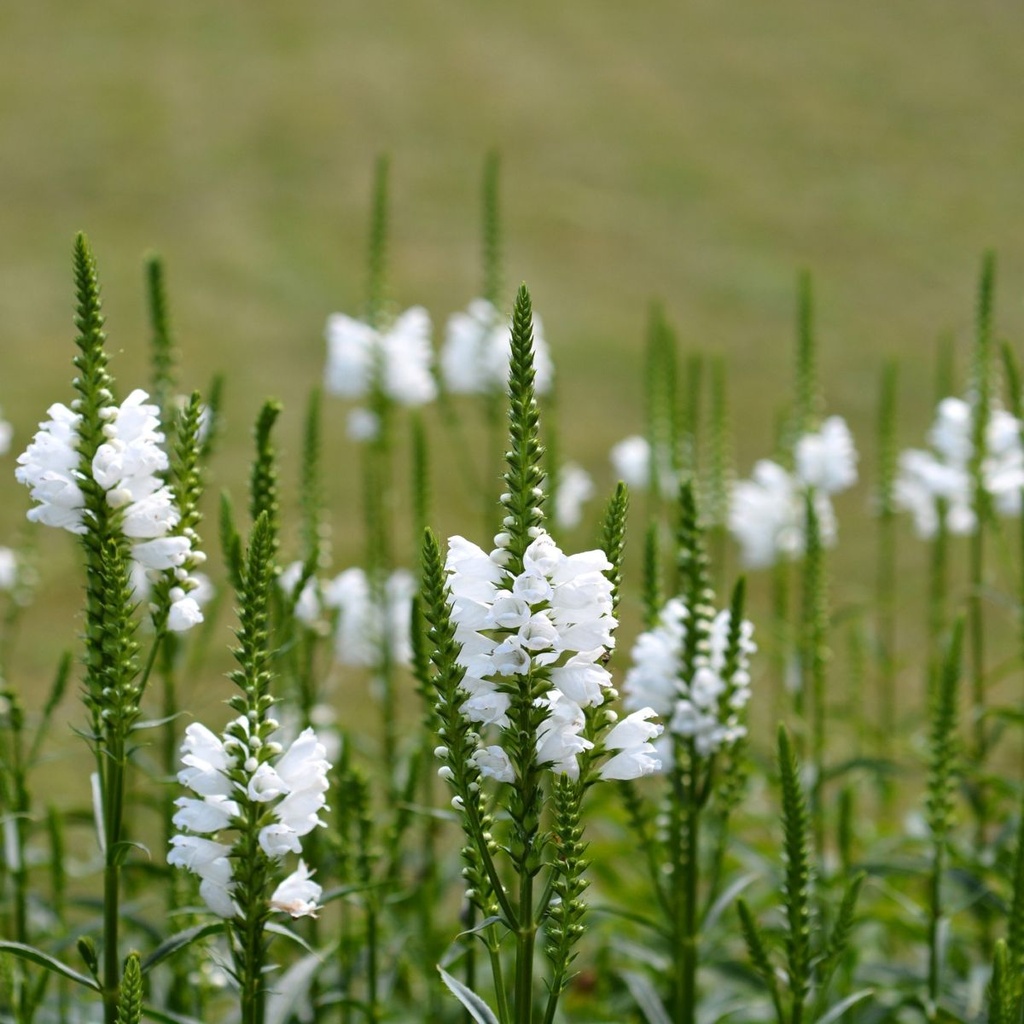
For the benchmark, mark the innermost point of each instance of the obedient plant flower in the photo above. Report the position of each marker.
(395, 361)
(6, 433)
(573, 489)
(477, 348)
(707, 704)
(8, 569)
(128, 467)
(767, 513)
(241, 781)
(939, 481)
(365, 620)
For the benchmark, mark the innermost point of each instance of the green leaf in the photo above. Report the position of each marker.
(164, 1017)
(291, 989)
(41, 959)
(172, 945)
(646, 998)
(841, 1007)
(475, 1006)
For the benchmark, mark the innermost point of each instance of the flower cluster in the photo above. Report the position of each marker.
(553, 620)
(363, 620)
(766, 513)
(477, 349)
(238, 779)
(708, 706)
(396, 361)
(941, 477)
(128, 467)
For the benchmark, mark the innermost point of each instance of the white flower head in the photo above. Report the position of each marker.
(396, 360)
(477, 349)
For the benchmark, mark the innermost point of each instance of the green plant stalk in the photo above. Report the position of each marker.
(979, 725)
(687, 939)
(938, 589)
(781, 633)
(114, 760)
(813, 663)
(885, 574)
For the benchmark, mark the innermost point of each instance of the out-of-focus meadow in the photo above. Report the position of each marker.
(696, 153)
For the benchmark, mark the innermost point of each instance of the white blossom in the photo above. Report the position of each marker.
(49, 467)
(397, 360)
(8, 569)
(827, 460)
(225, 772)
(6, 433)
(635, 755)
(631, 461)
(363, 625)
(574, 488)
(554, 617)
(942, 478)
(298, 894)
(477, 349)
(706, 707)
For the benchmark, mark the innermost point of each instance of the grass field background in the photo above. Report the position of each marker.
(697, 153)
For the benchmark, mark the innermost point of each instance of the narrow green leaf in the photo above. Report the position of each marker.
(41, 959)
(475, 1006)
(177, 942)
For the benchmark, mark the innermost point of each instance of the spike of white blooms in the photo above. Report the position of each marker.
(307, 603)
(225, 772)
(477, 349)
(707, 707)
(942, 477)
(827, 460)
(362, 625)
(396, 360)
(555, 617)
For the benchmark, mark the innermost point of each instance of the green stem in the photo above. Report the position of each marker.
(113, 809)
(977, 619)
(688, 938)
(934, 923)
(526, 935)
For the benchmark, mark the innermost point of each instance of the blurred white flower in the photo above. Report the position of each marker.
(477, 349)
(930, 482)
(573, 489)
(827, 460)
(8, 569)
(297, 895)
(706, 707)
(6, 433)
(363, 625)
(635, 755)
(396, 360)
(631, 461)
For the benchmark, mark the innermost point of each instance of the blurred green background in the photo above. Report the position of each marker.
(699, 153)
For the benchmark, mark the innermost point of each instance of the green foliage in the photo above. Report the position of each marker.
(129, 1005)
(613, 538)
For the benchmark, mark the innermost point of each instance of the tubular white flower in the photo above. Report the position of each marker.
(6, 433)
(397, 360)
(827, 460)
(631, 739)
(362, 624)
(707, 707)
(8, 569)
(49, 467)
(298, 894)
(574, 488)
(478, 344)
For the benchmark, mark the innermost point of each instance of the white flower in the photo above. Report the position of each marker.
(573, 490)
(307, 602)
(298, 894)
(211, 814)
(184, 614)
(8, 569)
(827, 460)
(631, 738)
(943, 477)
(398, 360)
(706, 707)
(631, 460)
(477, 349)
(208, 860)
(767, 516)
(363, 626)
(49, 467)
(6, 433)
(559, 738)
(206, 762)
(494, 763)
(362, 425)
